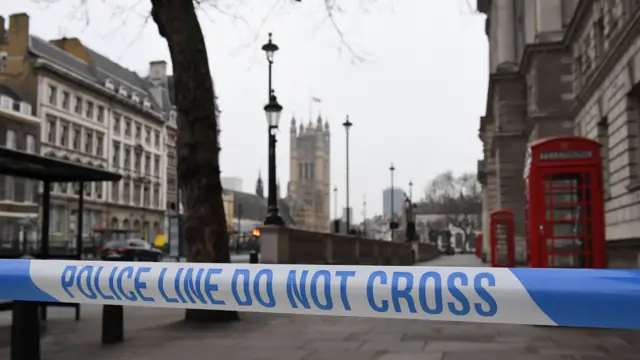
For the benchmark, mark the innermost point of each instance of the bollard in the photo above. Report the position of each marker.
(253, 257)
(25, 331)
(112, 324)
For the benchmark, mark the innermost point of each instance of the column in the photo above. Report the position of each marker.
(548, 16)
(505, 31)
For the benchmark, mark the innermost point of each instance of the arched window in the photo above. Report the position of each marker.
(114, 223)
(126, 225)
(146, 231)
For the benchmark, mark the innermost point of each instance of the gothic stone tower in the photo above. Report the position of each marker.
(310, 177)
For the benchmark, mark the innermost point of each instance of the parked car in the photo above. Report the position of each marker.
(129, 250)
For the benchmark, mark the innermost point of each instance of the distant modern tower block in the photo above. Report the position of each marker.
(398, 202)
(309, 190)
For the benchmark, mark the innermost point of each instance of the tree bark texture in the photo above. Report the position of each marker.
(204, 226)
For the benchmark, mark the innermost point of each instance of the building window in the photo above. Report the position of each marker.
(64, 134)
(137, 166)
(66, 99)
(171, 184)
(30, 143)
(126, 192)
(147, 135)
(300, 171)
(75, 138)
(99, 144)
(127, 127)
(9, 188)
(88, 143)
(99, 190)
(87, 189)
(312, 171)
(147, 163)
(3, 62)
(115, 191)
(116, 123)
(63, 187)
(51, 129)
(100, 114)
(603, 138)
(156, 196)
(138, 132)
(53, 95)
(11, 141)
(127, 157)
(79, 105)
(137, 189)
(146, 196)
(171, 158)
(89, 110)
(598, 34)
(156, 165)
(116, 154)
(157, 139)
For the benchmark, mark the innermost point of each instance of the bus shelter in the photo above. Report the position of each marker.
(25, 325)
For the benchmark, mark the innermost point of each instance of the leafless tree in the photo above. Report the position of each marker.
(459, 198)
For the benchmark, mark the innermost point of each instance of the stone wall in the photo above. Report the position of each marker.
(280, 245)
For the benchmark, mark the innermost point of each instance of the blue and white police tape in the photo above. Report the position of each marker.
(555, 297)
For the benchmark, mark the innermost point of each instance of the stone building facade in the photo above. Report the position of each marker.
(565, 67)
(309, 189)
(97, 113)
(19, 130)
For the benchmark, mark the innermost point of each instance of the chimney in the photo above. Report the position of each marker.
(157, 71)
(18, 37)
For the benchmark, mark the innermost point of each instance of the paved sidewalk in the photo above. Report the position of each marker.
(158, 334)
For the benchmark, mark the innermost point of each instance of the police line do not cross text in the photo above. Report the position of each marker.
(290, 289)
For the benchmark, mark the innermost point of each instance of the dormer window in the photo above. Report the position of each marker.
(146, 103)
(122, 91)
(25, 108)
(6, 102)
(135, 98)
(109, 85)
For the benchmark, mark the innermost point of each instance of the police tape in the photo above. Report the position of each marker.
(554, 297)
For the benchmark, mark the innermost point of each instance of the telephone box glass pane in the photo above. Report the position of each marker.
(567, 220)
(502, 243)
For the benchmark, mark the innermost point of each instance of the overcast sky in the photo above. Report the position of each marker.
(415, 100)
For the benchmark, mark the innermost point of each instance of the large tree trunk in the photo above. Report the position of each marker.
(205, 226)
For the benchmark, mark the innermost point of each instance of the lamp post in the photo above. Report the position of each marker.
(273, 110)
(336, 221)
(270, 49)
(347, 125)
(392, 223)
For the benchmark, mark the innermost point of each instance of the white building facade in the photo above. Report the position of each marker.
(109, 123)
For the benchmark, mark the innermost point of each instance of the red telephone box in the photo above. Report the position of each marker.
(501, 227)
(565, 203)
(479, 246)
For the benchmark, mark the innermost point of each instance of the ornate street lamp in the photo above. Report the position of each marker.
(273, 110)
